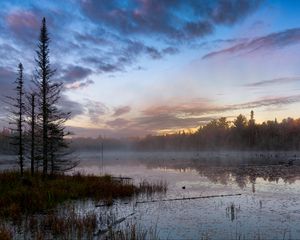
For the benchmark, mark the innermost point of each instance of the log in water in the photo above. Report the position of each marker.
(189, 198)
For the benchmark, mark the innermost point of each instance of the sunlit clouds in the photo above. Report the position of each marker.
(138, 67)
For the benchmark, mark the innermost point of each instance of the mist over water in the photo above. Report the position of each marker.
(268, 207)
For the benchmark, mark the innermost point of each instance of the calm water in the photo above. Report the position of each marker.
(269, 207)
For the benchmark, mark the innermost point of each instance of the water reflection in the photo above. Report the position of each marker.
(239, 172)
(271, 212)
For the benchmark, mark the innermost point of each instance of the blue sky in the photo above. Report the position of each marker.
(138, 67)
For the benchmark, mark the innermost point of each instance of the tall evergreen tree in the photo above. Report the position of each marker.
(51, 119)
(44, 74)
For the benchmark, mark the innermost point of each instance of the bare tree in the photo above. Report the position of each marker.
(16, 117)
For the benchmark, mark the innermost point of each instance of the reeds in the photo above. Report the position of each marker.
(132, 231)
(5, 233)
(37, 208)
(30, 195)
(149, 188)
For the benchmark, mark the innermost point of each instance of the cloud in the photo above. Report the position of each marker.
(106, 31)
(193, 107)
(198, 29)
(8, 54)
(79, 84)
(270, 41)
(67, 105)
(166, 18)
(118, 123)
(108, 67)
(95, 110)
(268, 101)
(119, 58)
(74, 73)
(203, 106)
(92, 39)
(168, 121)
(7, 77)
(153, 53)
(121, 111)
(274, 81)
(170, 50)
(24, 24)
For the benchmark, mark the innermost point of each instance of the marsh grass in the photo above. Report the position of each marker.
(36, 208)
(150, 188)
(5, 233)
(132, 231)
(30, 195)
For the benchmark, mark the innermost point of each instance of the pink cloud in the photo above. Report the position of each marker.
(23, 24)
(22, 19)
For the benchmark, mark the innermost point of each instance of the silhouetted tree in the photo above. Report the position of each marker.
(240, 122)
(252, 129)
(17, 117)
(45, 87)
(51, 118)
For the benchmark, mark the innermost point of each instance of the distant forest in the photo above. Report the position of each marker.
(220, 134)
(239, 134)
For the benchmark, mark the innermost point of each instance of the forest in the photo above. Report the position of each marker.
(239, 134)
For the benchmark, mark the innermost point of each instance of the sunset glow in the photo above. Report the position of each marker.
(132, 68)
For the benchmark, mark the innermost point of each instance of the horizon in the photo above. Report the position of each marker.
(191, 63)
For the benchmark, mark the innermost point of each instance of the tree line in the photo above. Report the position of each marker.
(219, 134)
(239, 134)
(37, 130)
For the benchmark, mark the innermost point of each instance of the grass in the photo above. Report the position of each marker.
(30, 205)
(5, 233)
(69, 226)
(30, 195)
(150, 188)
(132, 232)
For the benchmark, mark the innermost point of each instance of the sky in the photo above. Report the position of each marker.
(138, 67)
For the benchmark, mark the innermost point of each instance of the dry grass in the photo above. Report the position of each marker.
(150, 188)
(29, 206)
(30, 195)
(132, 231)
(5, 233)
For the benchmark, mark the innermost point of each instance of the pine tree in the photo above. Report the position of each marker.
(43, 76)
(52, 119)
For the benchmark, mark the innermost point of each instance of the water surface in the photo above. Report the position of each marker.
(268, 207)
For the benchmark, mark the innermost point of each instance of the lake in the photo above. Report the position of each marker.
(268, 206)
